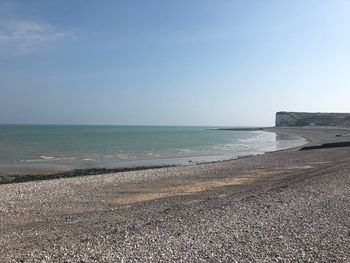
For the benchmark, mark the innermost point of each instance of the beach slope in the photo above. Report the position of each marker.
(286, 206)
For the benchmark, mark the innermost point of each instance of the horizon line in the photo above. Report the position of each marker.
(160, 125)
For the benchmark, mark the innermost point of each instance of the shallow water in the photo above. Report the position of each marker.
(127, 146)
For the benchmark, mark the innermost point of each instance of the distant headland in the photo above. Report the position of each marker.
(284, 118)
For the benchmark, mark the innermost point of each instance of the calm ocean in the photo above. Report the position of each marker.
(127, 146)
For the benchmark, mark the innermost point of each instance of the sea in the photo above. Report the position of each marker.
(88, 146)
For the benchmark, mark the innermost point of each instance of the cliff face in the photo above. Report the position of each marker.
(284, 118)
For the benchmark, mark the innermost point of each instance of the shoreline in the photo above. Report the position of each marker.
(81, 172)
(280, 206)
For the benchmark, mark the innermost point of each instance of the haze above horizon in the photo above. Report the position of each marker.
(161, 62)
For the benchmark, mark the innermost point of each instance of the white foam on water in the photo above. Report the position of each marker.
(46, 157)
(192, 145)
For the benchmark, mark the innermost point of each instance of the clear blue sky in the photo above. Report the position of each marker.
(183, 62)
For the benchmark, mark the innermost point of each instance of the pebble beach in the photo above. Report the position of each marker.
(284, 206)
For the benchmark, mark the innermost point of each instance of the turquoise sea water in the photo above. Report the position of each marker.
(126, 146)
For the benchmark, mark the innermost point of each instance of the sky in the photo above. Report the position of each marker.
(165, 62)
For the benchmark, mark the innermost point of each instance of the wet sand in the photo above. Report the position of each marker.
(286, 206)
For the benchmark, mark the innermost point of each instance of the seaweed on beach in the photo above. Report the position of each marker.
(20, 178)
